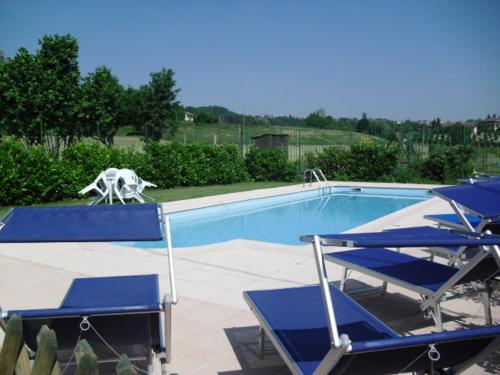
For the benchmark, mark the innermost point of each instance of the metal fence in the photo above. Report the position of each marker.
(412, 142)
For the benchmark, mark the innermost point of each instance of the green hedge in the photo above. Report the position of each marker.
(169, 165)
(270, 165)
(446, 164)
(30, 175)
(360, 163)
(377, 163)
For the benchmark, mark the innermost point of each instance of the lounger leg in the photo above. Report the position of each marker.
(486, 303)
(163, 366)
(168, 331)
(343, 279)
(383, 290)
(262, 338)
(151, 369)
(438, 317)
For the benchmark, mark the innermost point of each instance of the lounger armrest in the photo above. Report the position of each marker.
(88, 311)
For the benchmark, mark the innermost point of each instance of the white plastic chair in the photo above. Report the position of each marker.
(127, 185)
(103, 186)
(110, 174)
(141, 185)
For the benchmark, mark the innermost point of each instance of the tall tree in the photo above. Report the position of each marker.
(363, 123)
(3, 58)
(19, 87)
(60, 89)
(39, 93)
(133, 108)
(101, 107)
(159, 105)
(319, 119)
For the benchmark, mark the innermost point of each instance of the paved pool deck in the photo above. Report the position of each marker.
(214, 331)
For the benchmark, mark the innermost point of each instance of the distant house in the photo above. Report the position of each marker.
(490, 120)
(188, 116)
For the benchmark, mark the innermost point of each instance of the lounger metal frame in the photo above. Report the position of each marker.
(431, 299)
(164, 355)
(340, 343)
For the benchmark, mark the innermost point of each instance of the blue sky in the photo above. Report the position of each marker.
(397, 59)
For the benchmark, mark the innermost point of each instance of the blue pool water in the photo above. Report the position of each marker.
(285, 218)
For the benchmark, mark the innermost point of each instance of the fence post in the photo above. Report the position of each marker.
(124, 367)
(23, 366)
(86, 360)
(46, 354)
(12, 345)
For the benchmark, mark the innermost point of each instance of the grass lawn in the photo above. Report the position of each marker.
(179, 193)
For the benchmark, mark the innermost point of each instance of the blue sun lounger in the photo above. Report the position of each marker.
(430, 280)
(123, 311)
(453, 220)
(476, 209)
(354, 341)
(320, 330)
(481, 201)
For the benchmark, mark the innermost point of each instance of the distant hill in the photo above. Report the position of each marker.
(221, 115)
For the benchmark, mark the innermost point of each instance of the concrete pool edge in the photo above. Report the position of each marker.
(191, 206)
(213, 200)
(247, 206)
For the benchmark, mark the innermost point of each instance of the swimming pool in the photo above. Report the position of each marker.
(282, 219)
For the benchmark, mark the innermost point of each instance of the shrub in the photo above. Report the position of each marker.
(361, 162)
(372, 163)
(82, 162)
(270, 165)
(333, 162)
(29, 175)
(446, 164)
(169, 165)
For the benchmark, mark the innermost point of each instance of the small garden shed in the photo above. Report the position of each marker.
(269, 141)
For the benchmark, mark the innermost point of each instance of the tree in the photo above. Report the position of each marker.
(363, 124)
(206, 118)
(321, 112)
(39, 93)
(319, 119)
(3, 58)
(20, 118)
(133, 108)
(101, 107)
(159, 104)
(60, 89)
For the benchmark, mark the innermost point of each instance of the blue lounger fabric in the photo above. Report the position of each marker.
(405, 238)
(296, 318)
(125, 310)
(416, 271)
(452, 220)
(103, 295)
(481, 198)
(82, 224)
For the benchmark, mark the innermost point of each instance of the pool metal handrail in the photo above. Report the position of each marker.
(318, 176)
